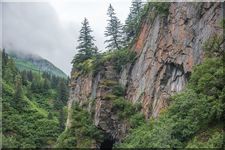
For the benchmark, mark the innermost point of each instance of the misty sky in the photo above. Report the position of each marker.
(51, 28)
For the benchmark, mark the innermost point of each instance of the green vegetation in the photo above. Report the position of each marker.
(34, 102)
(214, 46)
(208, 138)
(119, 59)
(24, 65)
(114, 31)
(86, 48)
(28, 99)
(97, 63)
(25, 62)
(133, 20)
(82, 132)
(123, 108)
(161, 8)
(127, 111)
(138, 13)
(190, 114)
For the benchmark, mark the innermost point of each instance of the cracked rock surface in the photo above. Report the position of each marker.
(167, 49)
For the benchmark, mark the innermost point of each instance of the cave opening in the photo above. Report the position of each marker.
(107, 144)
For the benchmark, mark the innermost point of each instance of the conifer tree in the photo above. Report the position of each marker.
(24, 78)
(10, 71)
(30, 75)
(61, 119)
(18, 102)
(62, 92)
(50, 116)
(86, 48)
(114, 31)
(133, 20)
(46, 85)
(4, 58)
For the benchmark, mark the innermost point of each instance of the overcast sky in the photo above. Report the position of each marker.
(51, 28)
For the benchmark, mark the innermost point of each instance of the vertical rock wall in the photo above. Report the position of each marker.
(167, 49)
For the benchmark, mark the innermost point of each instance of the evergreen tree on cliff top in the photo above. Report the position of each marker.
(133, 19)
(86, 48)
(114, 31)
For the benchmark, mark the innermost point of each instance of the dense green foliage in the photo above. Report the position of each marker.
(119, 58)
(29, 117)
(214, 47)
(161, 8)
(97, 63)
(36, 64)
(197, 109)
(133, 20)
(127, 111)
(209, 138)
(189, 111)
(82, 132)
(124, 109)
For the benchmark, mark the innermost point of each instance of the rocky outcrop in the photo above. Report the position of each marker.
(86, 90)
(167, 49)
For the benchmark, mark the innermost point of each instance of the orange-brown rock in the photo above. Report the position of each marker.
(167, 49)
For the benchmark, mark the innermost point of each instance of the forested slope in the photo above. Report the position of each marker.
(33, 107)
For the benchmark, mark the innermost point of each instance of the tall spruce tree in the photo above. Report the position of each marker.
(86, 48)
(133, 20)
(62, 92)
(4, 58)
(18, 102)
(114, 31)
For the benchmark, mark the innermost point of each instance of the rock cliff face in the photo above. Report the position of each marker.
(91, 93)
(167, 48)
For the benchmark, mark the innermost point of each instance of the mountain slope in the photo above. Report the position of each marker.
(32, 114)
(35, 63)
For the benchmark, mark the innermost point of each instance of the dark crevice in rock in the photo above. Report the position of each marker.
(187, 75)
(171, 67)
(107, 143)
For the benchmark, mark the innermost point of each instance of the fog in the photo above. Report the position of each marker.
(50, 29)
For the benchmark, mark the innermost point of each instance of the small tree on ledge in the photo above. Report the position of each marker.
(86, 48)
(114, 31)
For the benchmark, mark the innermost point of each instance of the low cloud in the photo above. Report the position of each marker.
(36, 28)
(51, 29)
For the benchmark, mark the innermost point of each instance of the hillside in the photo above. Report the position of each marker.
(35, 63)
(33, 107)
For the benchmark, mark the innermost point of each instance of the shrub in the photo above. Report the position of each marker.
(196, 107)
(123, 57)
(136, 120)
(118, 90)
(215, 140)
(213, 46)
(160, 7)
(110, 97)
(82, 127)
(123, 108)
(108, 83)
